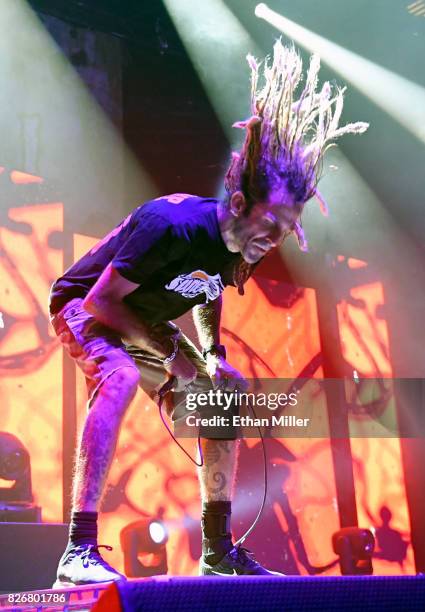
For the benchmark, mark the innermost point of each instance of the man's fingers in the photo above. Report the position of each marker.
(232, 384)
(224, 384)
(218, 382)
(242, 384)
(183, 382)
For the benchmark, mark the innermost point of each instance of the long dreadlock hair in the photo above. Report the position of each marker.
(287, 136)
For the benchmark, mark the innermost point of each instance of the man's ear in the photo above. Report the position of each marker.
(237, 203)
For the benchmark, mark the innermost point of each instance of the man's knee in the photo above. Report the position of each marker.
(121, 386)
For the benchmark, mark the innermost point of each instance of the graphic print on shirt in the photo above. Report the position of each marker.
(175, 198)
(194, 283)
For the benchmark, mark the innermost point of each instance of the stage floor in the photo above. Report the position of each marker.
(247, 593)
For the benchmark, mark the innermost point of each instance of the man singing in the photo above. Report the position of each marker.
(113, 309)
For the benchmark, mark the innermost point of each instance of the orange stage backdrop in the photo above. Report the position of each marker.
(271, 332)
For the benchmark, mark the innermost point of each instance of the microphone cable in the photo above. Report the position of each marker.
(162, 392)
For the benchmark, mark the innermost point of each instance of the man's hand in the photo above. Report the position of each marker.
(223, 375)
(183, 369)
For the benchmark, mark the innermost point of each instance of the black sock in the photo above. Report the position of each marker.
(216, 535)
(83, 528)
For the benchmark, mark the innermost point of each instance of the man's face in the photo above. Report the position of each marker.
(266, 225)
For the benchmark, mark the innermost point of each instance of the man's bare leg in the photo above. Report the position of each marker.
(81, 562)
(217, 477)
(99, 438)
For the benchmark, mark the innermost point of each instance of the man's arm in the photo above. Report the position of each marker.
(105, 302)
(207, 322)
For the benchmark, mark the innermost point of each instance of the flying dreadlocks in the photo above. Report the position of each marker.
(286, 137)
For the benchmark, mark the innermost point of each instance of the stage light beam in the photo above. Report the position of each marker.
(217, 45)
(400, 98)
(51, 122)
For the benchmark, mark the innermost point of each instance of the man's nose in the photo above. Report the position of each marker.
(278, 233)
(283, 233)
(271, 242)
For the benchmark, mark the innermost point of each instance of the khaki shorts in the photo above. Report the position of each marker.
(99, 352)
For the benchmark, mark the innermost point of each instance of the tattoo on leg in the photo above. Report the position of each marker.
(211, 455)
(217, 474)
(221, 480)
(99, 440)
(212, 452)
(97, 447)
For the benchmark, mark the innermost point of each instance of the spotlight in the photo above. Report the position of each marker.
(261, 9)
(15, 466)
(355, 548)
(143, 544)
(157, 532)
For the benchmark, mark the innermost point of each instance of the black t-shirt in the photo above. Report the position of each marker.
(172, 247)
